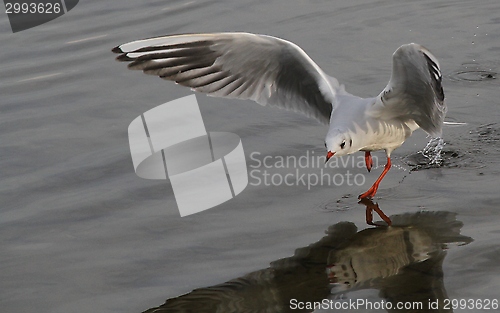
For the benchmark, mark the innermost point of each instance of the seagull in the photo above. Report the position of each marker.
(277, 73)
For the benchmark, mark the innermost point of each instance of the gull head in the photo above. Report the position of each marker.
(338, 143)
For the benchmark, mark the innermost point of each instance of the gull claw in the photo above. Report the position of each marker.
(368, 194)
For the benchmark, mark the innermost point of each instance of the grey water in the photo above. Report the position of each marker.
(79, 230)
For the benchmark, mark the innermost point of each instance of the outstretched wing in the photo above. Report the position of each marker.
(414, 91)
(268, 70)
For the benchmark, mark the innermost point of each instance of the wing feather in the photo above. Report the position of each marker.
(414, 91)
(268, 70)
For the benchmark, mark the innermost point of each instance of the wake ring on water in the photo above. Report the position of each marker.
(473, 75)
(434, 155)
(339, 205)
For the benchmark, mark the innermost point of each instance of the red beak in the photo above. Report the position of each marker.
(329, 155)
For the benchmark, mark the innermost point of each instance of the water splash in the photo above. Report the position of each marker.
(432, 151)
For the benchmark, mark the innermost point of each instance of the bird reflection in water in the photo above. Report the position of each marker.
(404, 262)
(370, 208)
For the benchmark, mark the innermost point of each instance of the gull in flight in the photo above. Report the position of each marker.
(275, 72)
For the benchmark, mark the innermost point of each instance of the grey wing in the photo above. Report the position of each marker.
(268, 70)
(414, 91)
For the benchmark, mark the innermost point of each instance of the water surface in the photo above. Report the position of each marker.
(79, 230)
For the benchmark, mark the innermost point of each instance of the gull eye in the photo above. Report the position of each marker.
(342, 145)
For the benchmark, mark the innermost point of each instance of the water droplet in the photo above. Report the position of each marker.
(477, 95)
(473, 42)
(433, 149)
(475, 35)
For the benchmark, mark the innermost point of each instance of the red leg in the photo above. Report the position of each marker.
(369, 215)
(373, 190)
(370, 207)
(382, 215)
(368, 161)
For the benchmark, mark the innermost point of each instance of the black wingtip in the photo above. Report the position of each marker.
(436, 77)
(124, 58)
(117, 49)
